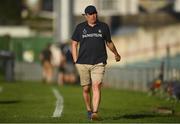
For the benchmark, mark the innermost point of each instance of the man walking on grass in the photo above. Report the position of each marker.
(92, 36)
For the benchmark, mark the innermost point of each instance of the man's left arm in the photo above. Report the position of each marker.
(112, 47)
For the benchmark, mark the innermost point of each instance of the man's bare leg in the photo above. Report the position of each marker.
(87, 96)
(96, 89)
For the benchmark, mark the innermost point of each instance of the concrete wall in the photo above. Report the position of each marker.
(146, 44)
(142, 46)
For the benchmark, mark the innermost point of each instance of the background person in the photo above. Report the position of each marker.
(45, 57)
(67, 70)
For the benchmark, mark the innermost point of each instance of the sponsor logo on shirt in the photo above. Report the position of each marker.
(85, 35)
(84, 31)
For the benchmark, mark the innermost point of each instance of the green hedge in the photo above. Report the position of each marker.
(20, 45)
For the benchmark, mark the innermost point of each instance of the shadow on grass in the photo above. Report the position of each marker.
(135, 116)
(131, 116)
(10, 102)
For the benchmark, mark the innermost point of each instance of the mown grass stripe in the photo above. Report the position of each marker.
(59, 103)
(1, 89)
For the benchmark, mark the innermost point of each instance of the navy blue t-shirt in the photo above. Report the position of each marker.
(92, 41)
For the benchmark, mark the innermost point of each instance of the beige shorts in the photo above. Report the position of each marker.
(91, 73)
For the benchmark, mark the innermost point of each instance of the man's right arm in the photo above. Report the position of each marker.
(74, 46)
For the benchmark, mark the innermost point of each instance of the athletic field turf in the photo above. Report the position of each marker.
(37, 102)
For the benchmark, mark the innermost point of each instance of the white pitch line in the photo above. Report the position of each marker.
(59, 103)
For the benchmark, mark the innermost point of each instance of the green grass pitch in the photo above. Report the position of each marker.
(35, 102)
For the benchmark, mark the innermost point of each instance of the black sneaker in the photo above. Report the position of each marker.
(89, 113)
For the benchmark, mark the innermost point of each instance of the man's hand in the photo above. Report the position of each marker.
(117, 57)
(113, 49)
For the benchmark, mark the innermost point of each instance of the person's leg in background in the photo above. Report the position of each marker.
(61, 75)
(44, 73)
(47, 72)
(70, 74)
(60, 80)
